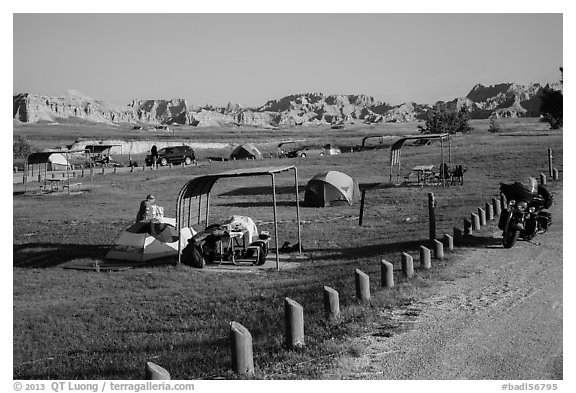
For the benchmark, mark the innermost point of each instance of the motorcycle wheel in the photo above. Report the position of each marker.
(509, 237)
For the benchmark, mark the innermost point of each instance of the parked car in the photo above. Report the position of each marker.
(327, 150)
(173, 155)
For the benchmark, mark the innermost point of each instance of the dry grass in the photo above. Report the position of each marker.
(82, 324)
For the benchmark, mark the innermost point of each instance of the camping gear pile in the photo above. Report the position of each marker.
(221, 242)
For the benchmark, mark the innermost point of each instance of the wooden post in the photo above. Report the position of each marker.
(144, 167)
(475, 219)
(467, 227)
(425, 258)
(555, 174)
(131, 168)
(360, 218)
(331, 302)
(497, 206)
(386, 274)
(407, 265)
(489, 211)
(438, 249)
(543, 179)
(457, 234)
(432, 215)
(550, 162)
(82, 172)
(241, 348)
(362, 285)
(449, 241)
(114, 170)
(294, 315)
(155, 372)
(482, 216)
(103, 170)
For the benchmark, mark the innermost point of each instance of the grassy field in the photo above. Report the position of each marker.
(71, 324)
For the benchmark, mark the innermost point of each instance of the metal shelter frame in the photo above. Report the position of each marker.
(381, 137)
(93, 149)
(41, 158)
(196, 194)
(397, 146)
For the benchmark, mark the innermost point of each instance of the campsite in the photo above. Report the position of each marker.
(97, 323)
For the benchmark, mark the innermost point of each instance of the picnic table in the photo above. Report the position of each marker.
(424, 173)
(51, 185)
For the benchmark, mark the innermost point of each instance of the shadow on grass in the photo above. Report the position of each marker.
(259, 204)
(263, 190)
(411, 246)
(42, 255)
(45, 255)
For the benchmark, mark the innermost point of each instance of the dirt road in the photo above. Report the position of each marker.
(502, 321)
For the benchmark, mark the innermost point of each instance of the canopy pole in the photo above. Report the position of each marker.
(67, 172)
(297, 210)
(207, 208)
(391, 165)
(275, 223)
(449, 152)
(199, 209)
(179, 227)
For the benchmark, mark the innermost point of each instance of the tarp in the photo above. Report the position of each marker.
(149, 239)
(247, 150)
(245, 225)
(327, 188)
(54, 161)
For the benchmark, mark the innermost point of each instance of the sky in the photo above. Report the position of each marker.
(250, 58)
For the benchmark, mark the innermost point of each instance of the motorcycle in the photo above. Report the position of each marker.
(524, 216)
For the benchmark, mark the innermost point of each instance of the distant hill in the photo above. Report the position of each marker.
(503, 100)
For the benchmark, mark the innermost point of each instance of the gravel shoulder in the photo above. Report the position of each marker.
(503, 320)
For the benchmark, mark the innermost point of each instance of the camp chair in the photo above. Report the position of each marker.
(457, 176)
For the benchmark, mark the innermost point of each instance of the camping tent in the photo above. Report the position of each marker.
(246, 151)
(149, 239)
(328, 187)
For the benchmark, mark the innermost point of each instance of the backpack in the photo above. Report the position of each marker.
(192, 256)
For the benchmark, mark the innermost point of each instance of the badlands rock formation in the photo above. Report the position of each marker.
(503, 100)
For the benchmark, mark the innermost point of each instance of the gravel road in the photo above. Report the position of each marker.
(503, 320)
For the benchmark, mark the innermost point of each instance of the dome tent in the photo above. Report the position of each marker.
(328, 187)
(149, 239)
(246, 151)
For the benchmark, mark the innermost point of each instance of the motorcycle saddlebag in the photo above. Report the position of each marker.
(544, 219)
(503, 219)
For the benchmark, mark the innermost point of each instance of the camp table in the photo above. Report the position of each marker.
(231, 242)
(424, 173)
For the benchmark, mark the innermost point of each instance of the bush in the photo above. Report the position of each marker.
(494, 126)
(552, 108)
(22, 148)
(441, 119)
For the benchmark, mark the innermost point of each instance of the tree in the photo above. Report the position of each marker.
(22, 148)
(552, 105)
(441, 119)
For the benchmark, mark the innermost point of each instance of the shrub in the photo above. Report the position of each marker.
(22, 148)
(552, 107)
(494, 125)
